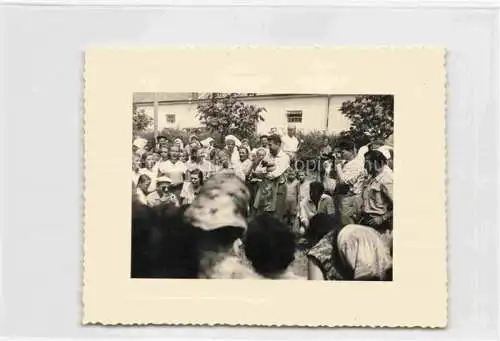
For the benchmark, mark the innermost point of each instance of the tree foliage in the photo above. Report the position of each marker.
(141, 121)
(311, 144)
(225, 114)
(372, 117)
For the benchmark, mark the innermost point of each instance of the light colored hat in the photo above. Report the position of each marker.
(140, 142)
(163, 179)
(223, 201)
(362, 151)
(206, 142)
(385, 150)
(237, 142)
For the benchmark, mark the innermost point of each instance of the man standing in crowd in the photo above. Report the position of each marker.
(378, 195)
(271, 194)
(290, 142)
(350, 174)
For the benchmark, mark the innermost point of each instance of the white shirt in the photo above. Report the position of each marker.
(235, 157)
(282, 161)
(141, 197)
(245, 167)
(205, 166)
(289, 144)
(152, 174)
(174, 171)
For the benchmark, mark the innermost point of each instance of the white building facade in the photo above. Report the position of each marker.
(307, 112)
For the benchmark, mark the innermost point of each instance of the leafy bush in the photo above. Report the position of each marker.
(225, 114)
(141, 121)
(372, 117)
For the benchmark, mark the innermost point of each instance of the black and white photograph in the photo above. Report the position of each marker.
(262, 186)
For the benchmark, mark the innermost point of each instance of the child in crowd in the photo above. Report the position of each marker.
(292, 200)
(184, 156)
(269, 246)
(303, 185)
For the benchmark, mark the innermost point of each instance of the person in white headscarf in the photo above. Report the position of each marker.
(232, 145)
(139, 146)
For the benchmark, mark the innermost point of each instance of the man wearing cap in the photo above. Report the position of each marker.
(162, 195)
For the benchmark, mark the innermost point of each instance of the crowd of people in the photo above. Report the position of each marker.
(240, 211)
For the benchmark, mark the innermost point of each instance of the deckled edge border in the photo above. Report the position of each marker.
(108, 322)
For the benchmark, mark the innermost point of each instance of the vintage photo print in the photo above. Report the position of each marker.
(262, 186)
(258, 180)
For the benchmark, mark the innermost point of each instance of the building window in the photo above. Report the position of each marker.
(171, 118)
(294, 116)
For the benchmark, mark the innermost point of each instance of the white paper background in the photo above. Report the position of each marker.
(41, 64)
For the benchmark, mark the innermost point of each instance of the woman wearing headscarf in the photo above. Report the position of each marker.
(139, 146)
(220, 212)
(232, 145)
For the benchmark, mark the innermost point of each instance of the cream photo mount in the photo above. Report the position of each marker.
(415, 75)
